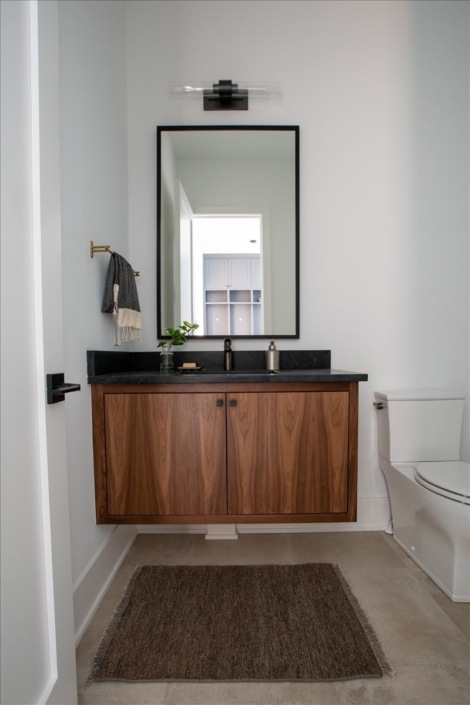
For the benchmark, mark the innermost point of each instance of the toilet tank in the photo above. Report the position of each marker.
(419, 425)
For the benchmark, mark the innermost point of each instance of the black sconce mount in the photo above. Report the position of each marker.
(225, 95)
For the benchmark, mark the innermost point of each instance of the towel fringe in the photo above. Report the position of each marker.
(127, 334)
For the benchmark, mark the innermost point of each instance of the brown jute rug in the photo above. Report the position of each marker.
(239, 623)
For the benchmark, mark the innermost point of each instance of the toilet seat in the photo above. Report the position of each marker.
(448, 479)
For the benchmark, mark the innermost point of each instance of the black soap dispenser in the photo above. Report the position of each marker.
(228, 355)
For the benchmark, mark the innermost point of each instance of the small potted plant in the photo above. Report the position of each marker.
(178, 337)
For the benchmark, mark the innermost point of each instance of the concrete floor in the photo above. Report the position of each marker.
(425, 636)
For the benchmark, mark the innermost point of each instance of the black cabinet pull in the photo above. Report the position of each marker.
(219, 402)
(233, 402)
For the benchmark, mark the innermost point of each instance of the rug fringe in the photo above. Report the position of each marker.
(110, 630)
(369, 631)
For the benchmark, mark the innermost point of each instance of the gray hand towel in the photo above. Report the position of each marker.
(120, 298)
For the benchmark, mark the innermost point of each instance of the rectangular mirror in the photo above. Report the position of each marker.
(228, 230)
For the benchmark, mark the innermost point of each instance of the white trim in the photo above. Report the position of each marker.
(171, 529)
(94, 581)
(182, 279)
(104, 546)
(221, 531)
(319, 528)
(285, 528)
(47, 692)
(373, 515)
(39, 337)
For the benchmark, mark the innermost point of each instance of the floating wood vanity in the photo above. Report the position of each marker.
(225, 448)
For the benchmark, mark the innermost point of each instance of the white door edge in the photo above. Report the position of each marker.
(45, 119)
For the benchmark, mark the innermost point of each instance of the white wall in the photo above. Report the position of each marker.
(23, 589)
(381, 93)
(94, 207)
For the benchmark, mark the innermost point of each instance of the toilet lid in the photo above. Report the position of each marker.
(451, 476)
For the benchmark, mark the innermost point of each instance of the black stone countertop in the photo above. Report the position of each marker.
(142, 368)
(227, 377)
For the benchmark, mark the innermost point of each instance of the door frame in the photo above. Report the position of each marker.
(265, 255)
(183, 256)
(49, 349)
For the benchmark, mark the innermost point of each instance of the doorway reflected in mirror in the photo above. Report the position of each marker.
(227, 275)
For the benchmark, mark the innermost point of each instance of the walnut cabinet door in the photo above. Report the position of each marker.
(287, 452)
(166, 454)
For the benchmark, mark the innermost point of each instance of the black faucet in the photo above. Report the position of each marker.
(228, 355)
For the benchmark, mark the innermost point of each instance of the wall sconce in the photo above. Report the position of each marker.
(225, 95)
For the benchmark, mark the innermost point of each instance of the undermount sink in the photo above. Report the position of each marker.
(234, 372)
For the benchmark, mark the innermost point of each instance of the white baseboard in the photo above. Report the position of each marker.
(171, 528)
(47, 691)
(91, 586)
(373, 514)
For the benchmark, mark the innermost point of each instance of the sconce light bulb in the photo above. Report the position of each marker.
(195, 89)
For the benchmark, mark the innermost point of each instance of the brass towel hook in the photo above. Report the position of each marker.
(105, 248)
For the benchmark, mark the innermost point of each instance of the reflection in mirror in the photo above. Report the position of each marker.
(228, 230)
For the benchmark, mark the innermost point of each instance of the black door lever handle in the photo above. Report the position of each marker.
(57, 388)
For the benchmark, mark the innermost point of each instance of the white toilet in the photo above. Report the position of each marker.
(419, 448)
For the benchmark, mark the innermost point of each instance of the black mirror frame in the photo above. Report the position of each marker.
(187, 128)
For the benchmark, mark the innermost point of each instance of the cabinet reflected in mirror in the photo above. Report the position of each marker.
(227, 201)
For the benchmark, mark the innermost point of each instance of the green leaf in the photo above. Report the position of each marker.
(178, 335)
